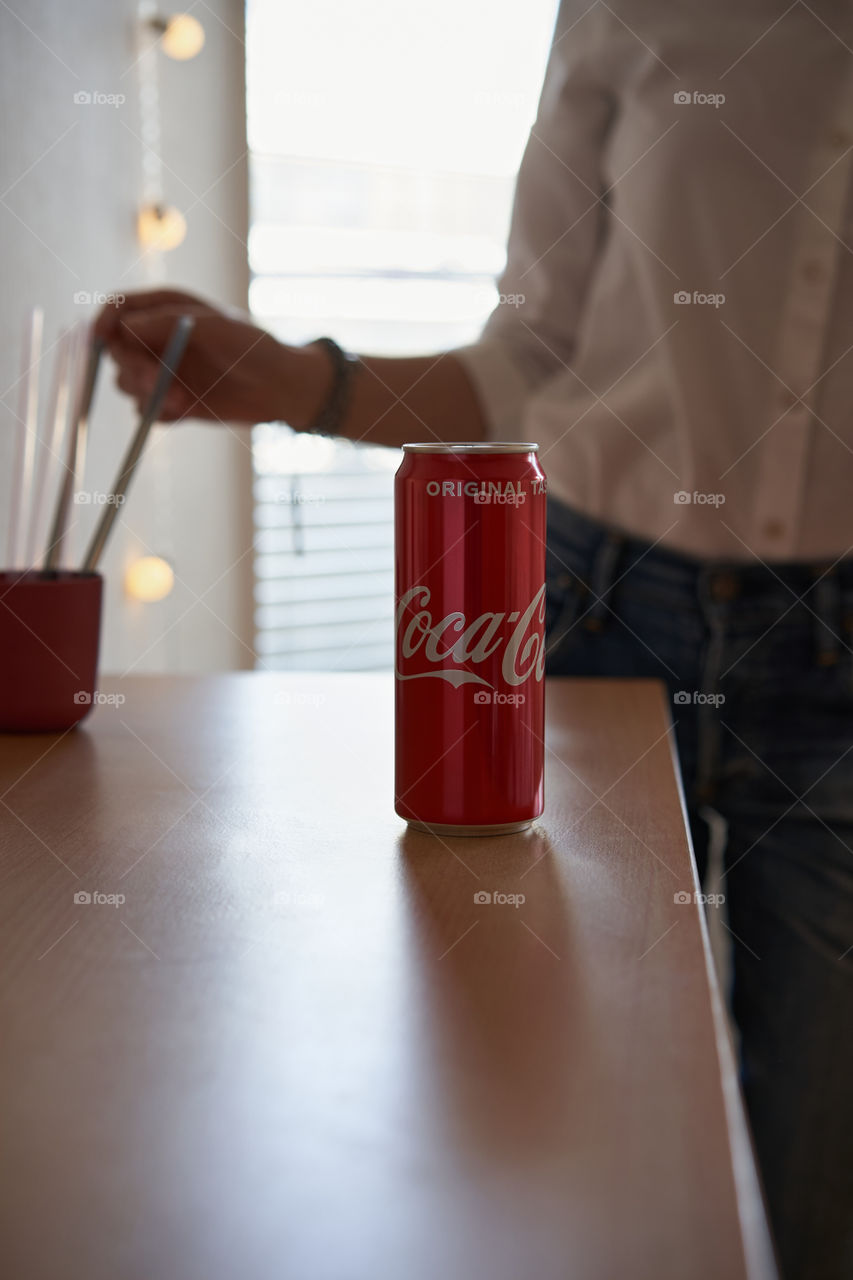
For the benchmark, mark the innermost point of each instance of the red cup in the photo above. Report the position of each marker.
(50, 625)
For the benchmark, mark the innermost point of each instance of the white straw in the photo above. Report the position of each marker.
(75, 453)
(22, 465)
(172, 356)
(49, 439)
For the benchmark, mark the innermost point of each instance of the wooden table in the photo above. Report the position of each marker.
(299, 1047)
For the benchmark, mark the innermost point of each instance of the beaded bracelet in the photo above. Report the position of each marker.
(332, 412)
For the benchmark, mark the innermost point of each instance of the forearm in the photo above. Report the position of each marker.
(392, 400)
(232, 371)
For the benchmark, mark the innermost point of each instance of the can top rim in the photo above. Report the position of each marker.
(472, 446)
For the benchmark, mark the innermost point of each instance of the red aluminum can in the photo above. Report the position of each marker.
(470, 637)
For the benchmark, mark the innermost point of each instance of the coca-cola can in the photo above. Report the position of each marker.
(470, 637)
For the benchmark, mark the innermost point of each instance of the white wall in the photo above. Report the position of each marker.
(70, 183)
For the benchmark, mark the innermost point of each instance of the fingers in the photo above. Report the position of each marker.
(145, 333)
(136, 377)
(174, 301)
(155, 299)
(179, 404)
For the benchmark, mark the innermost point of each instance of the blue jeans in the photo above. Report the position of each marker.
(759, 666)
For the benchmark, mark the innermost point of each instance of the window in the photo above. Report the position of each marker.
(384, 141)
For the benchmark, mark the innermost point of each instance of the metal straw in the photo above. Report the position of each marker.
(50, 437)
(171, 359)
(75, 456)
(22, 468)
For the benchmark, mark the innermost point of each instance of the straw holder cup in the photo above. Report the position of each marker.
(50, 627)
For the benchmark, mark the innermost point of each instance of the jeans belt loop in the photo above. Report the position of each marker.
(826, 596)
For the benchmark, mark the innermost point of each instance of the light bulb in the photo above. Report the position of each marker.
(183, 36)
(161, 226)
(150, 578)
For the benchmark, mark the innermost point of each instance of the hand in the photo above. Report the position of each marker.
(231, 371)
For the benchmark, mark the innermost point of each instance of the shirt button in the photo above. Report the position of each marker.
(840, 138)
(773, 528)
(787, 399)
(812, 271)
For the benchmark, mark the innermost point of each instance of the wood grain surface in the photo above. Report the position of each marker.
(300, 1047)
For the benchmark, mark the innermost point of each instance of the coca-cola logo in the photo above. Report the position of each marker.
(452, 645)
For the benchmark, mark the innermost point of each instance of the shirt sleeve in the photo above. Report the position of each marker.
(556, 229)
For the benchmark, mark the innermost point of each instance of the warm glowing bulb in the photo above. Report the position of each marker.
(149, 578)
(183, 37)
(161, 226)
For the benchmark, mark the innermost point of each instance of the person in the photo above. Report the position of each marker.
(676, 331)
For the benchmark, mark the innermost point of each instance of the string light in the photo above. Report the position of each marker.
(161, 226)
(181, 36)
(149, 578)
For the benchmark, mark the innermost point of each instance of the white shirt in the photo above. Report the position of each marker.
(687, 150)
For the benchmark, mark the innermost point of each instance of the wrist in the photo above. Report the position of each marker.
(304, 377)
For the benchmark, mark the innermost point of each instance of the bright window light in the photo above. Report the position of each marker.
(384, 138)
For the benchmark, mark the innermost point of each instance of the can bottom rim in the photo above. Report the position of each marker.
(445, 829)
